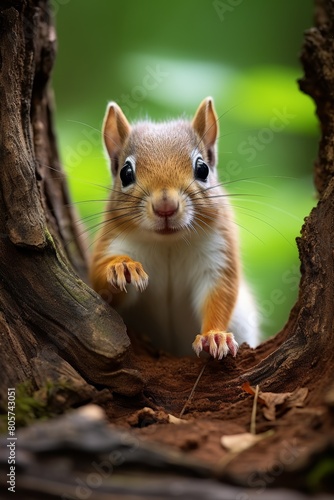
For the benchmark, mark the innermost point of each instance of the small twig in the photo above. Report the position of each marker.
(232, 454)
(254, 410)
(193, 389)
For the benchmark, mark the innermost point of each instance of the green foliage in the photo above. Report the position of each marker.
(321, 476)
(267, 88)
(31, 405)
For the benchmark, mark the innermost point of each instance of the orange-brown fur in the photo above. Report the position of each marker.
(164, 171)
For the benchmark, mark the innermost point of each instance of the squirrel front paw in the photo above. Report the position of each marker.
(216, 343)
(123, 270)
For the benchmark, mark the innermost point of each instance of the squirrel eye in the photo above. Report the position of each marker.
(127, 174)
(201, 170)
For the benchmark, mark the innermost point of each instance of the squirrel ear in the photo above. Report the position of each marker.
(115, 129)
(205, 123)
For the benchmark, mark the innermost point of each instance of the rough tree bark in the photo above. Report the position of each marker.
(53, 325)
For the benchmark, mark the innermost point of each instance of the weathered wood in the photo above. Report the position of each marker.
(54, 327)
(307, 349)
(44, 306)
(101, 462)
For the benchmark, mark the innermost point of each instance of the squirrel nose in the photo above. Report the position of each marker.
(165, 208)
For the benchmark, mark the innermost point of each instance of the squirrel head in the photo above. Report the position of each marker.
(169, 167)
(117, 133)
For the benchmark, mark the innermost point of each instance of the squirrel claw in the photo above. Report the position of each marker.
(119, 274)
(216, 343)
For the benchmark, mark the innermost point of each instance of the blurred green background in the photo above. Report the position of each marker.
(160, 60)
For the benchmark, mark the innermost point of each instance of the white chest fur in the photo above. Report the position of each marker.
(181, 273)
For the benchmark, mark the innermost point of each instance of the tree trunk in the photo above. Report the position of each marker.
(53, 326)
(306, 352)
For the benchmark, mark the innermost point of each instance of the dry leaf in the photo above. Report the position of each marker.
(175, 420)
(290, 400)
(236, 443)
(273, 399)
(297, 397)
(248, 388)
(251, 390)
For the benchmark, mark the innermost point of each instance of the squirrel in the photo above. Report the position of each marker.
(168, 252)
